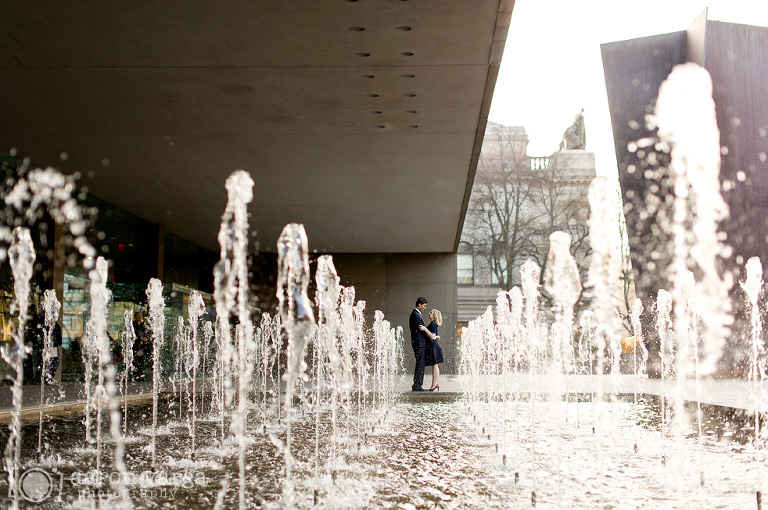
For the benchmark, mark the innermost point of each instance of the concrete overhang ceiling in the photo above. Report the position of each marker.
(360, 119)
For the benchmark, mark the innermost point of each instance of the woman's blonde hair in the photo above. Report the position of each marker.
(438, 317)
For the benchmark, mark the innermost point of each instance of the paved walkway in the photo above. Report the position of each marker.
(730, 393)
(733, 393)
(66, 398)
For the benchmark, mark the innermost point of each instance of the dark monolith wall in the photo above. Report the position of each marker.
(735, 56)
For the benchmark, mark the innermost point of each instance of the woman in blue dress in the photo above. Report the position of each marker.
(434, 353)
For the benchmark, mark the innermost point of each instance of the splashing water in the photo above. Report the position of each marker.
(604, 269)
(22, 258)
(326, 298)
(529, 278)
(100, 297)
(299, 321)
(562, 281)
(686, 121)
(51, 308)
(516, 326)
(666, 352)
(195, 310)
(350, 315)
(388, 356)
(295, 305)
(753, 285)
(684, 343)
(128, 338)
(231, 294)
(588, 323)
(207, 338)
(390, 360)
(264, 368)
(157, 329)
(637, 311)
(107, 377)
(89, 355)
(326, 353)
(50, 188)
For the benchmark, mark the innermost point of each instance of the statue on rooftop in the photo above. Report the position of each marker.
(575, 137)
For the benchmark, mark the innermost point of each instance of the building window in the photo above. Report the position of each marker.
(465, 264)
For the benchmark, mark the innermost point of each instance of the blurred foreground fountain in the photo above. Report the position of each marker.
(308, 405)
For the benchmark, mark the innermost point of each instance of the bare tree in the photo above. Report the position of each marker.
(560, 196)
(518, 201)
(498, 225)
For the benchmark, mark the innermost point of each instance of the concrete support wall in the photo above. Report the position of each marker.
(392, 283)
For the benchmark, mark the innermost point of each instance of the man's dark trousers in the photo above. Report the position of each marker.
(418, 373)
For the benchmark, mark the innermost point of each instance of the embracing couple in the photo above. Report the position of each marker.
(426, 344)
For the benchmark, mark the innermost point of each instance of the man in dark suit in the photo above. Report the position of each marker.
(418, 342)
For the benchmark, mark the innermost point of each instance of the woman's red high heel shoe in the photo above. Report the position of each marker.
(435, 388)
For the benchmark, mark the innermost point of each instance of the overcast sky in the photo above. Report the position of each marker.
(552, 67)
